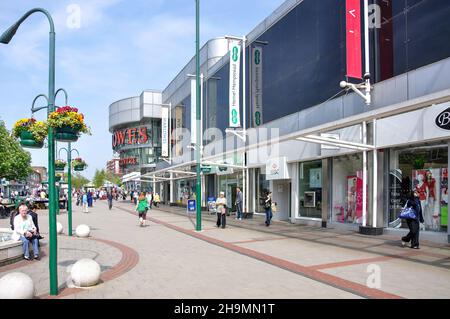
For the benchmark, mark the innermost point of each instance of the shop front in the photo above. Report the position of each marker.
(423, 168)
(417, 156)
(228, 180)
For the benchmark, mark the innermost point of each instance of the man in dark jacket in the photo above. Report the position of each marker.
(413, 224)
(32, 211)
(110, 199)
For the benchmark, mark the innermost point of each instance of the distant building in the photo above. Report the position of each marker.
(42, 171)
(113, 167)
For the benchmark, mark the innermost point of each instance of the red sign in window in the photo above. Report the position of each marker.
(353, 29)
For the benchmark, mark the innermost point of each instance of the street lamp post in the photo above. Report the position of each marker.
(69, 182)
(198, 196)
(5, 38)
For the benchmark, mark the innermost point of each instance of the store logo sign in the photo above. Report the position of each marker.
(124, 162)
(443, 120)
(130, 136)
(275, 170)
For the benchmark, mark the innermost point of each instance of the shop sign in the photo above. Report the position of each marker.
(193, 111)
(128, 161)
(276, 168)
(235, 76)
(257, 90)
(206, 169)
(191, 207)
(353, 30)
(165, 131)
(130, 136)
(443, 120)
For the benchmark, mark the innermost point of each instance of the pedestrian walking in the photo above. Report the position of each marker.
(141, 208)
(85, 203)
(413, 223)
(239, 203)
(149, 200)
(221, 206)
(89, 199)
(268, 208)
(156, 199)
(135, 197)
(110, 197)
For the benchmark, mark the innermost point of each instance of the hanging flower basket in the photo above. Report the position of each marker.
(31, 133)
(79, 165)
(58, 178)
(68, 124)
(60, 165)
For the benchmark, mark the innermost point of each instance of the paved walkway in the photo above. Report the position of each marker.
(168, 259)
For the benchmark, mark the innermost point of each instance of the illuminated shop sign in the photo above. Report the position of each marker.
(128, 161)
(130, 136)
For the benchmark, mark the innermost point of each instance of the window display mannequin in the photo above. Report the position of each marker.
(423, 192)
(433, 206)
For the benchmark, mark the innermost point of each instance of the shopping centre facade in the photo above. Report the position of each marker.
(311, 144)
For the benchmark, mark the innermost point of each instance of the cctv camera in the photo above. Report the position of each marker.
(343, 84)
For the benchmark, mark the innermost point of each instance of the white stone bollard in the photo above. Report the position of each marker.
(85, 273)
(16, 285)
(82, 231)
(59, 228)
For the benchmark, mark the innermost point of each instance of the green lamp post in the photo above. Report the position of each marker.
(69, 151)
(5, 38)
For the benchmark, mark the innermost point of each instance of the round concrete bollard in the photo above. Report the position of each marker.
(85, 273)
(82, 231)
(16, 285)
(59, 228)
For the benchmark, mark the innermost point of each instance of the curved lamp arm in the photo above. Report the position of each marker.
(65, 94)
(62, 148)
(33, 109)
(67, 151)
(6, 37)
(78, 153)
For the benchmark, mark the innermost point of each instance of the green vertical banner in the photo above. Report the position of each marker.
(257, 82)
(235, 77)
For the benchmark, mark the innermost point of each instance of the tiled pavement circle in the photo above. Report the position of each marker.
(168, 259)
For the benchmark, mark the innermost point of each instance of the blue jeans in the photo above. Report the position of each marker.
(239, 210)
(269, 215)
(25, 246)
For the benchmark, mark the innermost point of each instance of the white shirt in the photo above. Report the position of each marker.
(21, 226)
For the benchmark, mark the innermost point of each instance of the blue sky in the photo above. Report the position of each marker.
(121, 48)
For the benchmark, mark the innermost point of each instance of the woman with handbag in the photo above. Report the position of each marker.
(221, 208)
(413, 223)
(268, 208)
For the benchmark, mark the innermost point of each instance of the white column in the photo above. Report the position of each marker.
(364, 199)
(203, 191)
(375, 177)
(171, 188)
(255, 194)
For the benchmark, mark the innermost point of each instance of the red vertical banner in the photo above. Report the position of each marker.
(353, 31)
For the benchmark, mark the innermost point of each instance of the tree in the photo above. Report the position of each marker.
(113, 178)
(78, 181)
(99, 178)
(15, 163)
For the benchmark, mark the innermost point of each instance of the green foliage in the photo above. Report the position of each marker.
(419, 162)
(99, 178)
(114, 179)
(78, 181)
(15, 163)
